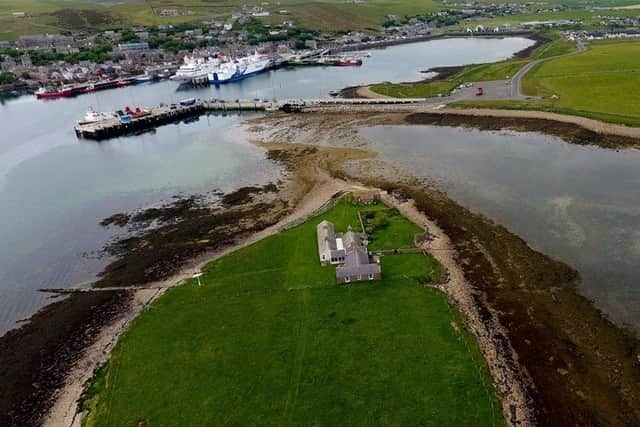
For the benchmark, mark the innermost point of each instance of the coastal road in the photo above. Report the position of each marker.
(516, 80)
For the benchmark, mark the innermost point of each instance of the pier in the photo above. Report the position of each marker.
(164, 114)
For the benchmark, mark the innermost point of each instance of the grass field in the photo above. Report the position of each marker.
(59, 15)
(388, 229)
(598, 81)
(269, 339)
(596, 84)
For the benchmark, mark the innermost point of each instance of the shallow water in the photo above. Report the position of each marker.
(54, 189)
(578, 204)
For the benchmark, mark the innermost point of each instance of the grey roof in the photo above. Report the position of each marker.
(357, 263)
(326, 236)
(351, 239)
(338, 253)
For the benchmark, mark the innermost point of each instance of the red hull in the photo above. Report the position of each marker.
(350, 63)
(54, 94)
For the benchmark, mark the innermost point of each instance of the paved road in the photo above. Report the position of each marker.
(516, 80)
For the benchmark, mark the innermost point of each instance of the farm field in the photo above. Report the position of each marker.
(593, 84)
(274, 341)
(60, 15)
(596, 81)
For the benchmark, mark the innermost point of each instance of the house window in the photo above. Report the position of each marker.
(370, 276)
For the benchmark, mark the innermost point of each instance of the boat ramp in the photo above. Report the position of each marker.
(150, 118)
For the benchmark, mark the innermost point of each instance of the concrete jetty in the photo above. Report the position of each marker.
(157, 116)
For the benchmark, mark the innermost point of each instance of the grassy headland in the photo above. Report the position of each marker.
(581, 368)
(594, 84)
(548, 45)
(270, 338)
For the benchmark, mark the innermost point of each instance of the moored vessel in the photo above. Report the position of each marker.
(51, 93)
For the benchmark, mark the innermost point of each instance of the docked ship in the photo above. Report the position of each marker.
(94, 117)
(241, 68)
(50, 93)
(194, 68)
(349, 62)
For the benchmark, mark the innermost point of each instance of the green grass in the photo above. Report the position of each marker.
(595, 84)
(474, 73)
(269, 339)
(388, 229)
(599, 80)
(328, 15)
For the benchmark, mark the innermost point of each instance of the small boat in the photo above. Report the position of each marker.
(350, 62)
(123, 83)
(187, 102)
(145, 78)
(334, 93)
(137, 113)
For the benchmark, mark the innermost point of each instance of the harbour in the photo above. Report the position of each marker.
(153, 117)
(52, 235)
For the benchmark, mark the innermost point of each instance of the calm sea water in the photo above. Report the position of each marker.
(578, 204)
(54, 189)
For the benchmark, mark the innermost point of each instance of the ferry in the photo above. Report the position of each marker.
(239, 69)
(195, 68)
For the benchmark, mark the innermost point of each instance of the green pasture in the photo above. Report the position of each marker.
(270, 339)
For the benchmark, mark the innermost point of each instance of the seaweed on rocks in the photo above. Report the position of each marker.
(581, 368)
(183, 230)
(35, 358)
(246, 194)
(569, 132)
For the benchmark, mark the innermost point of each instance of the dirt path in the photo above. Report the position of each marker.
(366, 92)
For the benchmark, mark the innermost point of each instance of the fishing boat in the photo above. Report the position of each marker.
(50, 93)
(137, 113)
(94, 117)
(350, 62)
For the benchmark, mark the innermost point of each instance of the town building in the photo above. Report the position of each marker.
(122, 47)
